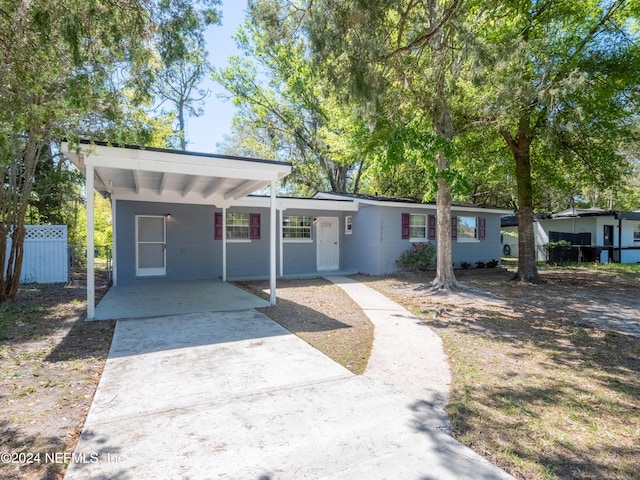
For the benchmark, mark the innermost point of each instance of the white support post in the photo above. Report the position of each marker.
(114, 249)
(91, 287)
(272, 253)
(281, 245)
(224, 244)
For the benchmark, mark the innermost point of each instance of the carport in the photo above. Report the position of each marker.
(170, 176)
(157, 299)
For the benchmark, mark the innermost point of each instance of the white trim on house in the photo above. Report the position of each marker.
(426, 206)
(284, 203)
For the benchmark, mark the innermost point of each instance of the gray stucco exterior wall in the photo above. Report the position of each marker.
(193, 253)
(190, 253)
(377, 241)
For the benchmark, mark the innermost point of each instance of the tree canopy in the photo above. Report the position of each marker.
(72, 69)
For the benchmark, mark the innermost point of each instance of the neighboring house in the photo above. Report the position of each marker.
(614, 235)
(187, 216)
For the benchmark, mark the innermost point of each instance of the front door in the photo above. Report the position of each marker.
(328, 253)
(150, 246)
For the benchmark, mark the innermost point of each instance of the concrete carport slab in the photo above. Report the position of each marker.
(233, 395)
(156, 298)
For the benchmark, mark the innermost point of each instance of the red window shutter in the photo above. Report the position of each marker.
(254, 226)
(218, 226)
(431, 225)
(406, 224)
(482, 229)
(454, 227)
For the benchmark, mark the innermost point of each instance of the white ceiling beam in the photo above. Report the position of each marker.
(136, 181)
(163, 183)
(213, 186)
(193, 179)
(104, 179)
(243, 189)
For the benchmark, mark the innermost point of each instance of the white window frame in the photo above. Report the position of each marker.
(412, 226)
(242, 239)
(308, 239)
(467, 239)
(636, 234)
(348, 225)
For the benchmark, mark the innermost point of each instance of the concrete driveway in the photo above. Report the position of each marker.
(232, 395)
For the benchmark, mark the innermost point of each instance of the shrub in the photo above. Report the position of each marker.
(421, 256)
(493, 263)
(465, 265)
(481, 265)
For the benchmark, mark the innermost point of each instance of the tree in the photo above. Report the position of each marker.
(70, 69)
(402, 60)
(183, 57)
(558, 83)
(59, 61)
(289, 107)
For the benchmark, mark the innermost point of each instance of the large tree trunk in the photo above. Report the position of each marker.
(445, 277)
(521, 149)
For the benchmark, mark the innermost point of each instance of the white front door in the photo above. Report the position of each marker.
(328, 250)
(151, 259)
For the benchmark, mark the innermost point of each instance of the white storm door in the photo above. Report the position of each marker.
(328, 253)
(151, 257)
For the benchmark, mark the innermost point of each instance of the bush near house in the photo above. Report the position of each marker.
(420, 257)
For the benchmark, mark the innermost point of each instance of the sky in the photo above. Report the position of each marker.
(204, 132)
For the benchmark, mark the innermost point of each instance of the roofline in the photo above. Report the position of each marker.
(180, 152)
(284, 203)
(409, 204)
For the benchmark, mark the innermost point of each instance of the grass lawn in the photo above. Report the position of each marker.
(50, 365)
(541, 385)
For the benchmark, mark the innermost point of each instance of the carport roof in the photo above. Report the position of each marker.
(162, 175)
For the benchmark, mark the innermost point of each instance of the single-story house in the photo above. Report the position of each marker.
(615, 235)
(191, 216)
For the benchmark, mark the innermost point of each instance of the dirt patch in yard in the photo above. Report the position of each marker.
(323, 315)
(51, 360)
(546, 378)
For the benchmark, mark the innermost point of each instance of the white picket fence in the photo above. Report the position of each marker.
(46, 258)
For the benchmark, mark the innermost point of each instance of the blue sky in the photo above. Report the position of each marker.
(207, 130)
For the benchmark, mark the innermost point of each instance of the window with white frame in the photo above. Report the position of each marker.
(467, 228)
(238, 226)
(417, 226)
(348, 225)
(636, 234)
(296, 227)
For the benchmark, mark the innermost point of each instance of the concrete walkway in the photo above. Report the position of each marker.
(233, 395)
(406, 354)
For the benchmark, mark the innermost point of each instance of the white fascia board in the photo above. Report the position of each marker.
(153, 161)
(433, 207)
(425, 206)
(300, 203)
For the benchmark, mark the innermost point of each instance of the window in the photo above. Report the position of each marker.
(296, 227)
(348, 225)
(467, 228)
(417, 226)
(636, 234)
(237, 226)
(240, 226)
